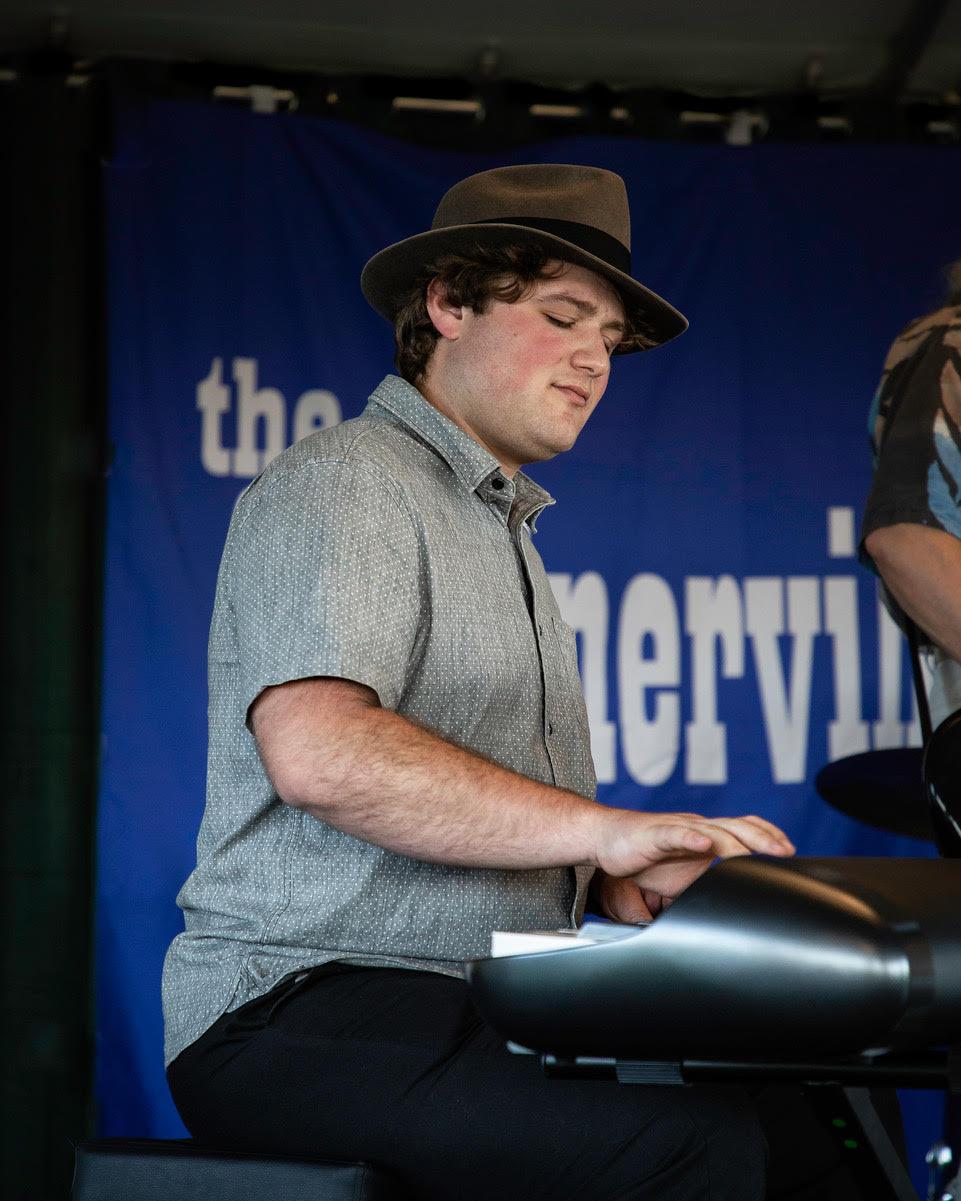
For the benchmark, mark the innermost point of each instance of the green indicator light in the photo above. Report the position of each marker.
(852, 1143)
(839, 1122)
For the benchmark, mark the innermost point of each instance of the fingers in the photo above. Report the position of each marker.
(673, 838)
(655, 901)
(726, 841)
(634, 842)
(753, 832)
(623, 901)
(756, 834)
(700, 837)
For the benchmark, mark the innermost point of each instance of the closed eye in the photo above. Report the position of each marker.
(567, 323)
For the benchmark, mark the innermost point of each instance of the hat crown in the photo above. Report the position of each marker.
(587, 196)
(575, 213)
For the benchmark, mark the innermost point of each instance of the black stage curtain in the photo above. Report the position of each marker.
(52, 371)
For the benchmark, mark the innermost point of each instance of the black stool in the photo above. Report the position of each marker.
(121, 1169)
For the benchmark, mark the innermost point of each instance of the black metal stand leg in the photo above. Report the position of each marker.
(873, 1158)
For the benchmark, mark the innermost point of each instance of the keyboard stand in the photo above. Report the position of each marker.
(838, 1091)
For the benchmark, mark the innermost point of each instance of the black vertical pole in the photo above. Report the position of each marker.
(920, 692)
(51, 364)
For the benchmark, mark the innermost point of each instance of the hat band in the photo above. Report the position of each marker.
(585, 237)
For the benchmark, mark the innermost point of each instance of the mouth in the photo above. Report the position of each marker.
(574, 393)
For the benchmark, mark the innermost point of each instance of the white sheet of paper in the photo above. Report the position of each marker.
(527, 942)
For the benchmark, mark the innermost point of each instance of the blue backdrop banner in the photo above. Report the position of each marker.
(704, 541)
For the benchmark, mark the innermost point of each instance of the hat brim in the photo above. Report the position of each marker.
(388, 277)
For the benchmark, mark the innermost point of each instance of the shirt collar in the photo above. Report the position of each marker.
(471, 463)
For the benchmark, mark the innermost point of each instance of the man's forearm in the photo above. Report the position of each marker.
(921, 567)
(382, 778)
(329, 748)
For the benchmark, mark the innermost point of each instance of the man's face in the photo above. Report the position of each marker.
(523, 378)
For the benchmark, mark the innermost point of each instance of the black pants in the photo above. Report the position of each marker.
(397, 1068)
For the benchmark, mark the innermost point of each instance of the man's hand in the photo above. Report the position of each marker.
(647, 859)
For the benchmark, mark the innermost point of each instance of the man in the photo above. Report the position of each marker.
(911, 533)
(912, 521)
(399, 754)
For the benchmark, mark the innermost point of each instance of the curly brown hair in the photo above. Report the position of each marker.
(952, 274)
(505, 273)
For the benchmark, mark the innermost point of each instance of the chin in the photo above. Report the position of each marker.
(566, 442)
(550, 452)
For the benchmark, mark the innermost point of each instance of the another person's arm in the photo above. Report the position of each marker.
(921, 568)
(912, 521)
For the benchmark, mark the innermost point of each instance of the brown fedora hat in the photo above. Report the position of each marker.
(578, 213)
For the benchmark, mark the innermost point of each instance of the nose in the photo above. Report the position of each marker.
(591, 353)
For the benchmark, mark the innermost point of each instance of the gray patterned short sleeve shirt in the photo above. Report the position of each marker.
(391, 551)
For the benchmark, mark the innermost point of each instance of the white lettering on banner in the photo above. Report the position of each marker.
(213, 401)
(256, 405)
(848, 732)
(316, 410)
(713, 616)
(648, 618)
(260, 419)
(784, 707)
(782, 621)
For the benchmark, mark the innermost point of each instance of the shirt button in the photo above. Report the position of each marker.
(497, 483)
(540, 628)
(550, 727)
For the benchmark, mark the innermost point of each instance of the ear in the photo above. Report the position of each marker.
(448, 318)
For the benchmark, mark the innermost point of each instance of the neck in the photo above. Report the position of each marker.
(431, 391)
